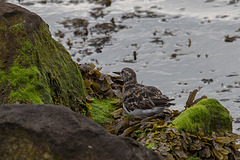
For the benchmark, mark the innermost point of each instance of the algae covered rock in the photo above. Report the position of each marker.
(40, 131)
(34, 68)
(206, 116)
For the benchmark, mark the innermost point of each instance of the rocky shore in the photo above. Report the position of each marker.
(45, 104)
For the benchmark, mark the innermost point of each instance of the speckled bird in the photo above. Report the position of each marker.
(141, 100)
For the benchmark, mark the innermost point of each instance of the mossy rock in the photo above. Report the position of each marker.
(207, 116)
(34, 68)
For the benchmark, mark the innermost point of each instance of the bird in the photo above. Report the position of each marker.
(139, 99)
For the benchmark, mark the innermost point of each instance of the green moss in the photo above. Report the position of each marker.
(17, 28)
(207, 115)
(151, 145)
(2, 77)
(26, 46)
(26, 54)
(39, 70)
(64, 76)
(192, 119)
(26, 85)
(3, 28)
(102, 109)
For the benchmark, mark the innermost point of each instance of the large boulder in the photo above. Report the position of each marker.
(54, 132)
(34, 68)
(207, 116)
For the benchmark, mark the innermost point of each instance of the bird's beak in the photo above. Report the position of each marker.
(120, 78)
(118, 73)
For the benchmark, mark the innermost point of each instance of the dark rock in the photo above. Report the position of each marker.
(55, 132)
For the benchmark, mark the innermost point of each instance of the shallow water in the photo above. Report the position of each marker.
(180, 44)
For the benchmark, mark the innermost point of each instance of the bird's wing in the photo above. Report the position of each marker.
(136, 97)
(157, 97)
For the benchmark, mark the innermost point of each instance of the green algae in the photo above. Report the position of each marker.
(61, 74)
(3, 28)
(206, 116)
(152, 145)
(26, 46)
(26, 84)
(102, 109)
(17, 28)
(2, 77)
(36, 68)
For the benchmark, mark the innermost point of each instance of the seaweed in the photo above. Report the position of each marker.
(162, 134)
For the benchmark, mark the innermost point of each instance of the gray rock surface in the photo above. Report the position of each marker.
(55, 132)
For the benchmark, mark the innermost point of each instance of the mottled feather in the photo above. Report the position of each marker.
(138, 96)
